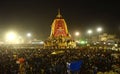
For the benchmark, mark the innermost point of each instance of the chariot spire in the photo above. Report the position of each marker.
(59, 15)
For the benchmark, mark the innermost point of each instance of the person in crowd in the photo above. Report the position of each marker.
(41, 61)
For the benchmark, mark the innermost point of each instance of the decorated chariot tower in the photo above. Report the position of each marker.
(59, 37)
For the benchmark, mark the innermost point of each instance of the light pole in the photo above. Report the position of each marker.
(99, 30)
(29, 36)
(77, 34)
(89, 33)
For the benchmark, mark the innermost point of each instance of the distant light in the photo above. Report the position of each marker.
(104, 43)
(11, 36)
(41, 42)
(29, 34)
(77, 33)
(82, 42)
(116, 45)
(99, 29)
(109, 43)
(94, 43)
(90, 31)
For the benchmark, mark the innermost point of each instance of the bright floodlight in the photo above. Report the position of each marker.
(29, 34)
(89, 31)
(99, 29)
(77, 33)
(11, 36)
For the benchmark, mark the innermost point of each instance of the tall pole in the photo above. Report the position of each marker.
(89, 33)
(77, 35)
(99, 29)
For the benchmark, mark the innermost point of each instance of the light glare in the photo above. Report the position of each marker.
(11, 36)
(99, 29)
(90, 31)
(29, 34)
(77, 33)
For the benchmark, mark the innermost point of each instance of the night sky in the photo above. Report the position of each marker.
(36, 16)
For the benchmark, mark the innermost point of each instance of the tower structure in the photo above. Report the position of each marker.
(59, 27)
(59, 37)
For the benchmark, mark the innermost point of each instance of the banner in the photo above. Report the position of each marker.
(75, 65)
(60, 28)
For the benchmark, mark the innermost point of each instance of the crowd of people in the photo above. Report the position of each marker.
(43, 61)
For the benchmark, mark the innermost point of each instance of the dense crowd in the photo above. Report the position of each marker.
(42, 61)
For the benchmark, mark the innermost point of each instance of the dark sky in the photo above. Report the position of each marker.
(36, 16)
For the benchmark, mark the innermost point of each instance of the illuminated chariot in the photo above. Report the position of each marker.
(59, 37)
